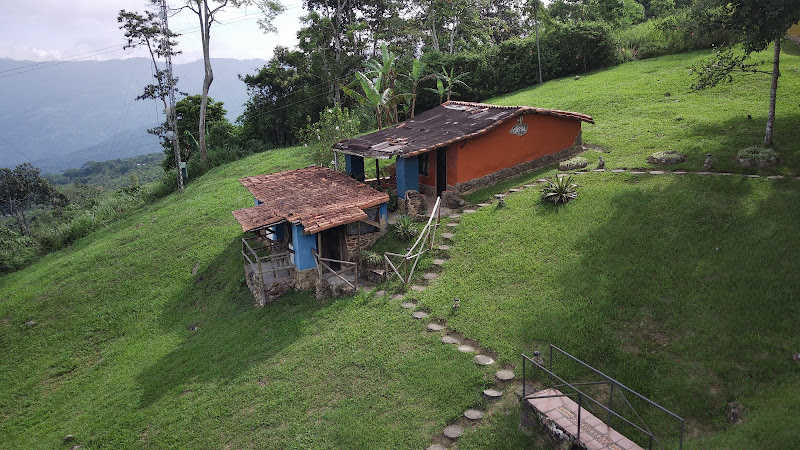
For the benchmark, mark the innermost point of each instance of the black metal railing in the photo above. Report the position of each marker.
(585, 400)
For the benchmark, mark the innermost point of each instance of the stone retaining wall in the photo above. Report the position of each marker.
(367, 240)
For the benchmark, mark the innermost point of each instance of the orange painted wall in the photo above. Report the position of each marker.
(500, 149)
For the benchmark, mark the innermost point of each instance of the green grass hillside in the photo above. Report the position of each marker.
(683, 287)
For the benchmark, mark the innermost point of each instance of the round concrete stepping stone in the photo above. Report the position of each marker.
(515, 190)
(638, 172)
(450, 340)
(473, 414)
(437, 447)
(542, 180)
(466, 348)
(775, 177)
(657, 172)
(444, 247)
(396, 297)
(419, 314)
(724, 174)
(431, 276)
(529, 186)
(492, 394)
(704, 173)
(753, 176)
(439, 262)
(453, 431)
(484, 205)
(680, 172)
(618, 171)
(448, 235)
(435, 326)
(484, 360)
(499, 196)
(408, 305)
(417, 288)
(454, 216)
(468, 211)
(505, 375)
(380, 294)
(598, 170)
(452, 224)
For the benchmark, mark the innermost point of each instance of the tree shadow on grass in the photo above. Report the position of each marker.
(223, 334)
(686, 291)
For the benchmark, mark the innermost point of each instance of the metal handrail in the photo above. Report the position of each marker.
(614, 383)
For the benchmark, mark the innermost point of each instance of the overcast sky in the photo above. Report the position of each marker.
(44, 30)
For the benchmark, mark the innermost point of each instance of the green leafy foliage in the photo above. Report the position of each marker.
(757, 157)
(335, 124)
(577, 162)
(559, 189)
(406, 228)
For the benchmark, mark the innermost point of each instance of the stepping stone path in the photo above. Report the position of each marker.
(380, 294)
(704, 173)
(473, 414)
(448, 235)
(397, 297)
(417, 288)
(435, 327)
(484, 205)
(437, 447)
(598, 170)
(752, 176)
(431, 276)
(657, 172)
(499, 196)
(468, 211)
(493, 394)
(515, 190)
(444, 247)
(452, 224)
(466, 349)
(408, 305)
(680, 172)
(438, 262)
(542, 180)
(484, 360)
(450, 340)
(638, 172)
(530, 185)
(419, 314)
(504, 375)
(453, 431)
(454, 216)
(775, 177)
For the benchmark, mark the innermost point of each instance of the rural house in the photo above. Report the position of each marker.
(460, 146)
(307, 224)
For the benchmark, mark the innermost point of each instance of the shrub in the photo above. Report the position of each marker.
(559, 189)
(334, 125)
(578, 162)
(405, 228)
(371, 259)
(757, 157)
(15, 251)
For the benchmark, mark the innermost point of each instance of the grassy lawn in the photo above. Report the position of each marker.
(111, 358)
(646, 106)
(683, 287)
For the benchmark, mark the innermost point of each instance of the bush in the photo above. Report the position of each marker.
(405, 228)
(334, 125)
(372, 259)
(668, 157)
(15, 251)
(757, 157)
(578, 162)
(559, 189)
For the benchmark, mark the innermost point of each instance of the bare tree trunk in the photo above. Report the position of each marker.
(773, 93)
(206, 19)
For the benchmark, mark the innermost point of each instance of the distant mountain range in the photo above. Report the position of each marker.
(59, 116)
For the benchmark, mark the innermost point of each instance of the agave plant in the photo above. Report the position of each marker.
(405, 228)
(560, 189)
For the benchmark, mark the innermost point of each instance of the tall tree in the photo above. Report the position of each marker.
(150, 30)
(206, 12)
(22, 188)
(757, 23)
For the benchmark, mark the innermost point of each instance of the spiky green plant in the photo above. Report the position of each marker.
(405, 228)
(560, 189)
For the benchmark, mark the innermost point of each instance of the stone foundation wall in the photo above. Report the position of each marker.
(519, 169)
(559, 438)
(271, 292)
(305, 280)
(366, 241)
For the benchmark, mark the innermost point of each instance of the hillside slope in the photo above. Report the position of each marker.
(143, 334)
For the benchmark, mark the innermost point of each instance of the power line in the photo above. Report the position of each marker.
(15, 149)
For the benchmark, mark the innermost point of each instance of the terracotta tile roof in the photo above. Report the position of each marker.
(443, 125)
(317, 197)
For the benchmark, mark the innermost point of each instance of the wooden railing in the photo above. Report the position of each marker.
(407, 263)
(347, 266)
(277, 261)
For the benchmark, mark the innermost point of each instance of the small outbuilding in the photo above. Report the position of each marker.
(461, 146)
(307, 225)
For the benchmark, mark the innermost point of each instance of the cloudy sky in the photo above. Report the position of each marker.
(45, 30)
